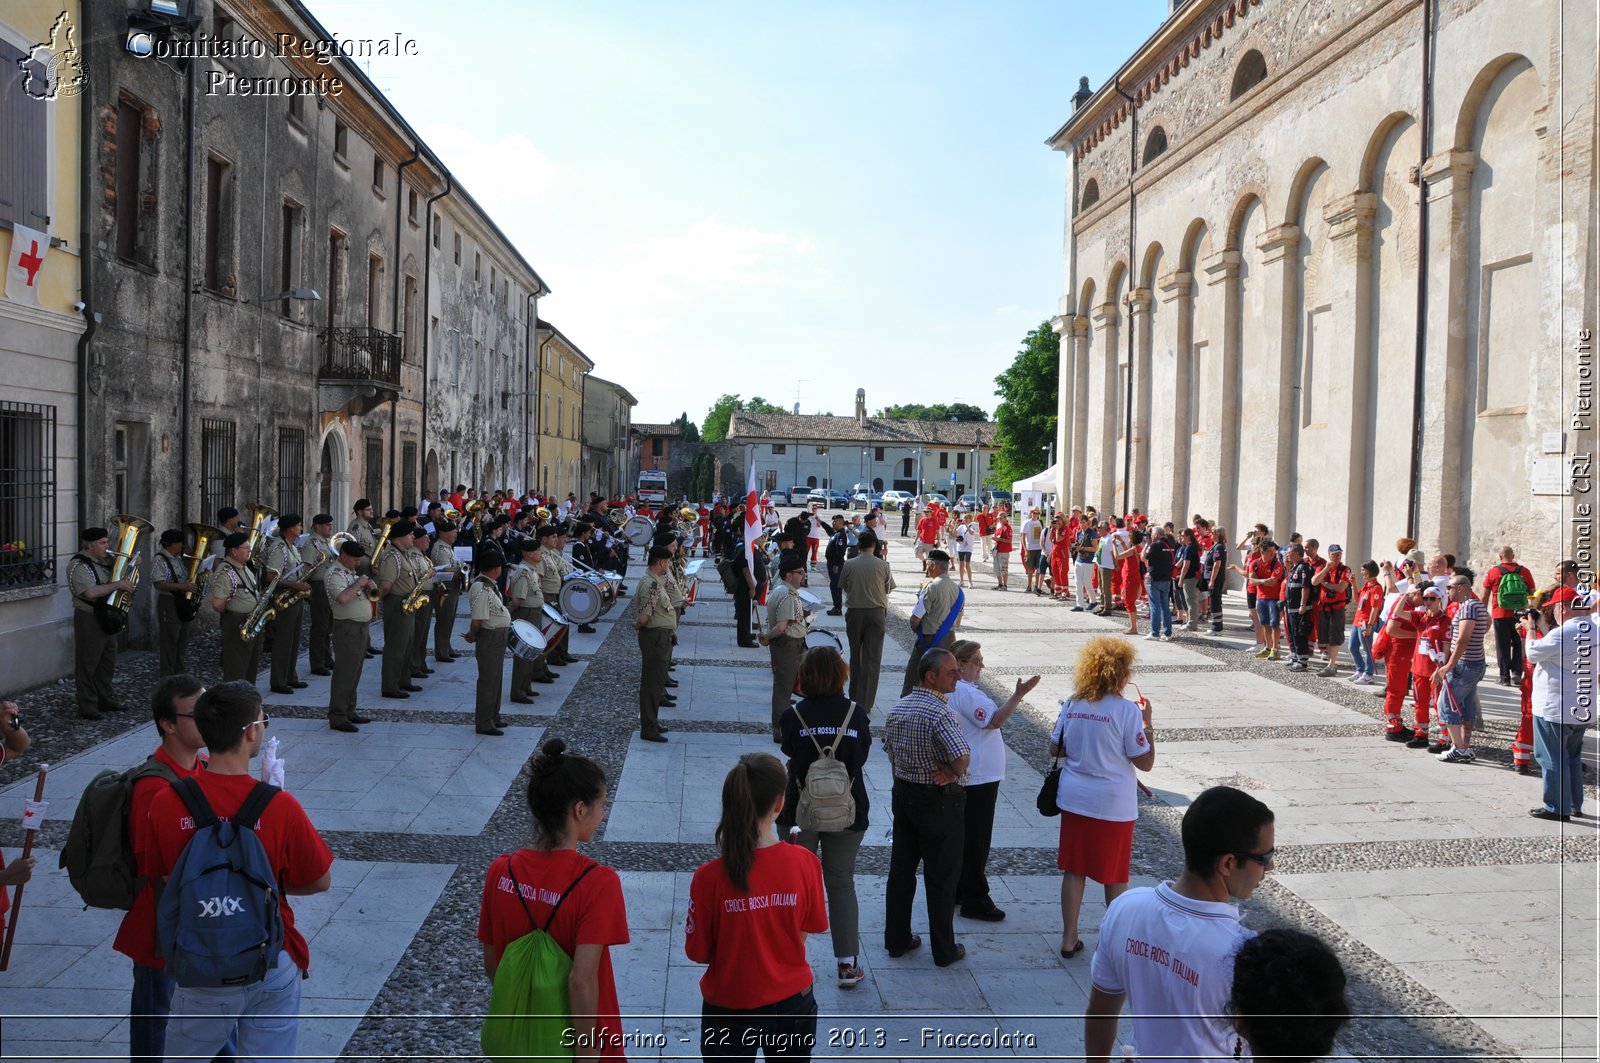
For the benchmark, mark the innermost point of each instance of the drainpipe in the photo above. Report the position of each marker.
(86, 283)
(530, 461)
(394, 318)
(1419, 370)
(1133, 279)
(427, 301)
(190, 123)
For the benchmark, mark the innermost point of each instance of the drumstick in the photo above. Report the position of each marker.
(16, 899)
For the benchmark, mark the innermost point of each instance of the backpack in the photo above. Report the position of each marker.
(827, 802)
(1512, 590)
(529, 1007)
(218, 917)
(97, 856)
(732, 578)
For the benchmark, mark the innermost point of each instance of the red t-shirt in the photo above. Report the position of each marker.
(1336, 599)
(1436, 629)
(1491, 583)
(985, 522)
(928, 529)
(1259, 569)
(297, 851)
(136, 937)
(1369, 601)
(594, 914)
(1002, 536)
(754, 940)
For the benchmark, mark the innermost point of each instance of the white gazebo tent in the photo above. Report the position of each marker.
(1035, 489)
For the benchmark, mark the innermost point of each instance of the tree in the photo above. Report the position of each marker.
(939, 411)
(714, 429)
(702, 476)
(1027, 410)
(686, 428)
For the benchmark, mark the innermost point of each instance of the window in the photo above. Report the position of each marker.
(1091, 194)
(375, 472)
(411, 208)
(877, 453)
(408, 320)
(291, 470)
(374, 290)
(944, 459)
(119, 469)
(961, 460)
(477, 266)
(822, 450)
(130, 138)
(458, 249)
(341, 140)
(1251, 71)
(337, 254)
(494, 281)
(27, 494)
(1154, 144)
(24, 153)
(558, 414)
(408, 473)
(905, 467)
(437, 225)
(377, 176)
(217, 439)
(657, 447)
(219, 276)
(780, 448)
(297, 109)
(289, 253)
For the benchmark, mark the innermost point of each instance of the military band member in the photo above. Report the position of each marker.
(785, 636)
(228, 521)
(94, 652)
(444, 621)
(397, 579)
(170, 577)
(423, 567)
(656, 624)
(351, 611)
(233, 592)
(550, 576)
(317, 546)
(363, 529)
(491, 627)
(526, 602)
(282, 558)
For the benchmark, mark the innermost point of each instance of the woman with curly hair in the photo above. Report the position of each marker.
(1288, 1000)
(1102, 736)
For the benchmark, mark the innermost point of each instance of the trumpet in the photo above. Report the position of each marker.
(188, 603)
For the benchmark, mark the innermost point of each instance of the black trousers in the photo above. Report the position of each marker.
(905, 521)
(1298, 626)
(786, 1029)
(929, 828)
(972, 889)
(741, 619)
(1217, 591)
(833, 585)
(1508, 647)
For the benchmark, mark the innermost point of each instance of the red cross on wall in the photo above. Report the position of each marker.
(30, 261)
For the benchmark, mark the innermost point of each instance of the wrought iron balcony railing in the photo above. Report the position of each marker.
(360, 354)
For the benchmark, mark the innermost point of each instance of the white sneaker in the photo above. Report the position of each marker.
(1457, 756)
(1363, 679)
(1152, 637)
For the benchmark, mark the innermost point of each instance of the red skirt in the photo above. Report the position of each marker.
(1100, 849)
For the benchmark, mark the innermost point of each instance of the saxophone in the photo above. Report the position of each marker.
(422, 593)
(259, 617)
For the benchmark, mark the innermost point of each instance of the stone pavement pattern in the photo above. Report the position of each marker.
(1466, 926)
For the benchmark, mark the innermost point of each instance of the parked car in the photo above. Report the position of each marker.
(778, 497)
(968, 500)
(935, 496)
(799, 493)
(869, 499)
(831, 499)
(896, 499)
(991, 497)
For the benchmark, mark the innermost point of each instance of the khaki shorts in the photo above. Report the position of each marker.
(1002, 564)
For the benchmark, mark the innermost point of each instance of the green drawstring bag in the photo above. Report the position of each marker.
(529, 1006)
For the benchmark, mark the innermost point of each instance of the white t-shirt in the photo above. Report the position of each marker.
(1172, 955)
(967, 536)
(1105, 554)
(974, 710)
(1030, 534)
(1101, 738)
(1390, 599)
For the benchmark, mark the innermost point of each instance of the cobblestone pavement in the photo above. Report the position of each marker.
(1468, 929)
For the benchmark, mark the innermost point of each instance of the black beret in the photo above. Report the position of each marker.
(94, 535)
(234, 540)
(352, 548)
(322, 518)
(401, 529)
(171, 535)
(361, 503)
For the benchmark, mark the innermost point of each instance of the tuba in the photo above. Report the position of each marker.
(476, 509)
(188, 603)
(259, 515)
(112, 611)
(387, 524)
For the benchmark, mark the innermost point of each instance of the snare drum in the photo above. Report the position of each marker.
(824, 638)
(527, 642)
(587, 596)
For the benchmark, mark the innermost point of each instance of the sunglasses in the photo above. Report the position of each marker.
(1266, 859)
(265, 721)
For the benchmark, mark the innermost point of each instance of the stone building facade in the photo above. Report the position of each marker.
(1350, 225)
(41, 325)
(607, 432)
(560, 373)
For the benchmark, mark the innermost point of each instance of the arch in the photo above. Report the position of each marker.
(1189, 250)
(488, 473)
(333, 471)
(1150, 264)
(877, 483)
(1086, 301)
(1367, 178)
(1250, 72)
(1474, 103)
(811, 481)
(1115, 277)
(1090, 195)
(1304, 178)
(430, 472)
(1154, 144)
(1251, 195)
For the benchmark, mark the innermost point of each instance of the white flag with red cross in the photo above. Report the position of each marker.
(25, 268)
(752, 520)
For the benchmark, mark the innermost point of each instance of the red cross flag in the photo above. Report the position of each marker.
(752, 521)
(26, 264)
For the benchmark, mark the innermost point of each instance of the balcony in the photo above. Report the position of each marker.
(360, 369)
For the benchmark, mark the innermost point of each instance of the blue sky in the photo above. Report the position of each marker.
(790, 201)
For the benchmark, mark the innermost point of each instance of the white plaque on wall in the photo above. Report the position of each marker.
(1552, 476)
(1554, 443)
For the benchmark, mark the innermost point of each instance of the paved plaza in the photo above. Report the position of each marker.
(1468, 928)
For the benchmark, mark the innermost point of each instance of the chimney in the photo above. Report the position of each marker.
(1081, 97)
(861, 407)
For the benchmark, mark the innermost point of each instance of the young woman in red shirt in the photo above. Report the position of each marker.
(1369, 603)
(749, 913)
(1400, 634)
(1433, 645)
(567, 797)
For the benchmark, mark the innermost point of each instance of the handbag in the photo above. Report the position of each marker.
(1047, 791)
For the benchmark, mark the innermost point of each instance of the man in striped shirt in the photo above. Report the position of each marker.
(1462, 670)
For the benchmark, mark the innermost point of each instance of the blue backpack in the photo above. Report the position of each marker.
(218, 917)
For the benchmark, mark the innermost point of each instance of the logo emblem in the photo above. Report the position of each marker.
(53, 69)
(220, 906)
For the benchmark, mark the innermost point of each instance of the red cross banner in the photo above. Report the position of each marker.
(25, 268)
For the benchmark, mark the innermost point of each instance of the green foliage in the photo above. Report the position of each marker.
(686, 428)
(714, 429)
(702, 476)
(1027, 411)
(939, 411)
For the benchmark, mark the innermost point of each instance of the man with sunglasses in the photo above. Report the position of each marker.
(263, 1016)
(1168, 951)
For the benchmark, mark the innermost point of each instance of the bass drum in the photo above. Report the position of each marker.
(640, 531)
(586, 597)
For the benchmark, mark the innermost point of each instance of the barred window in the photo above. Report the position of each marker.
(375, 473)
(408, 475)
(27, 495)
(291, 470)
(217, 442)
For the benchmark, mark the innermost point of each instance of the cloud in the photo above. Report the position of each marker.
(501, 173)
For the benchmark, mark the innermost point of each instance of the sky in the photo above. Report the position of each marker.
(785, 200)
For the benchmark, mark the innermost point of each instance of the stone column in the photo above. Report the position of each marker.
(1139, 312)
(1279, 255)
(1449, 407)
(1222, 271)
(1065, 381)
(1350, 231)
(1107, 321)
(1177, 290)
(1080, 407)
